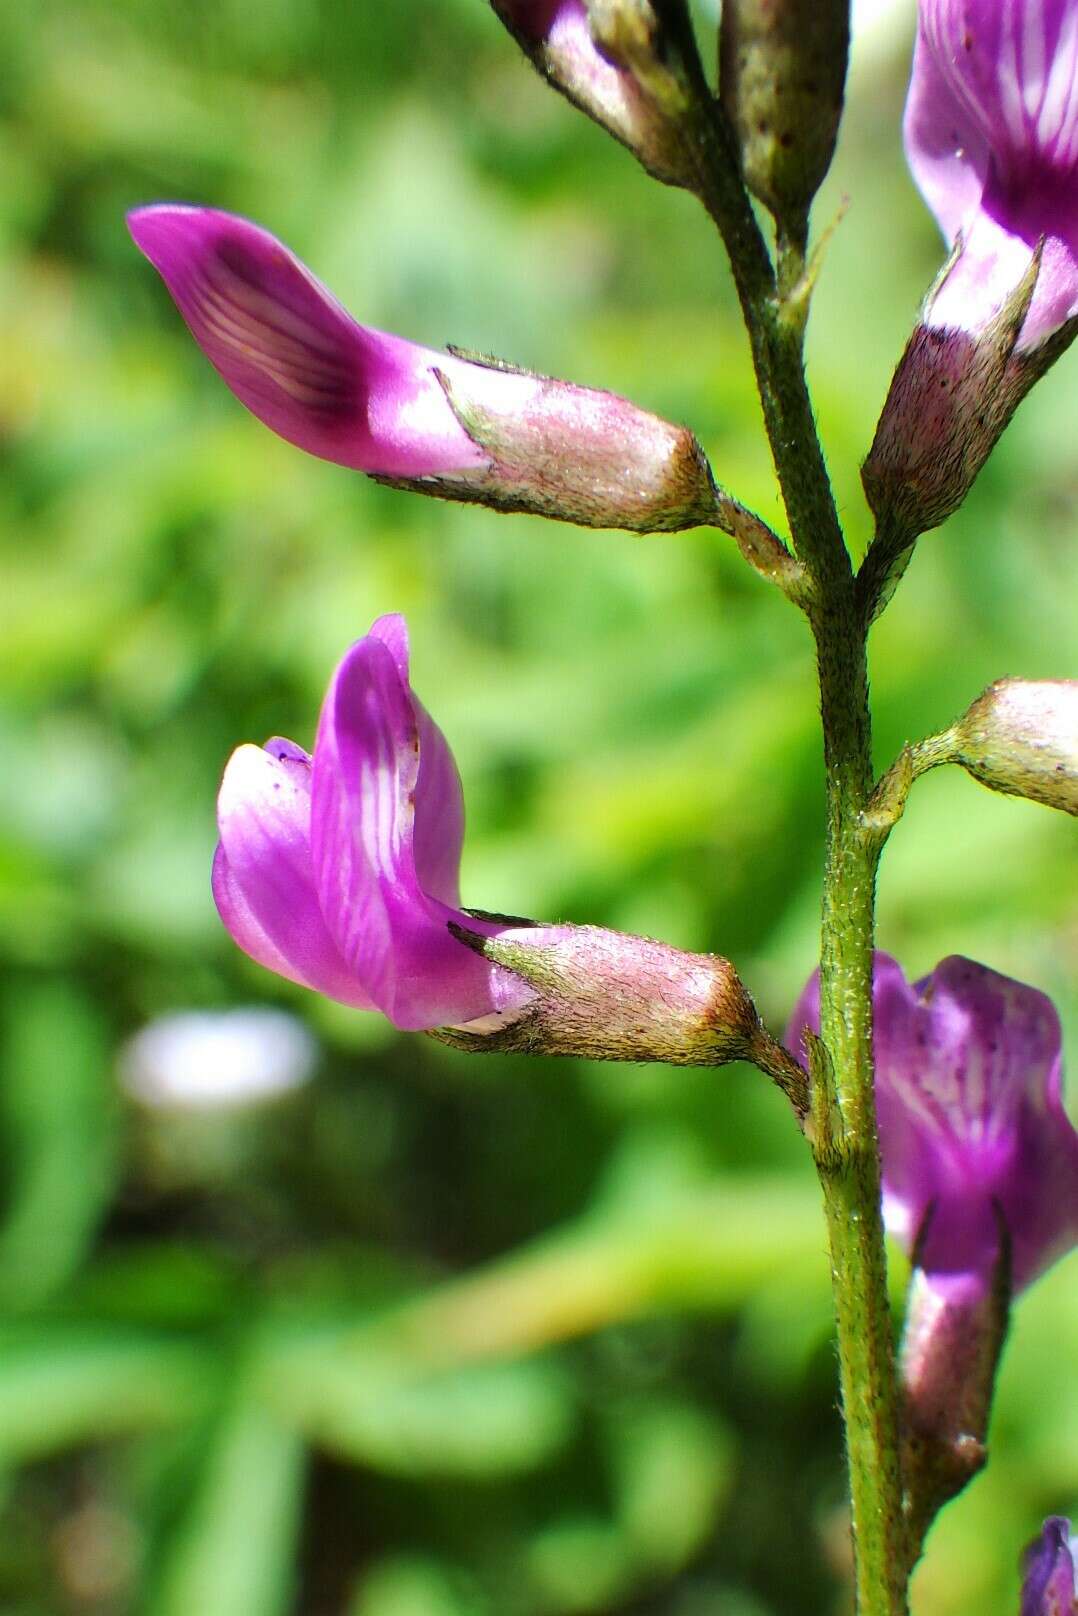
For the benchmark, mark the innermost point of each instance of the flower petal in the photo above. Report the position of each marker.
(364, 783)
(438, 831)
(535, 18)
(994, 1074)
(263, 882)
(991, 134)
(1009, 67)
(294, 356)
(1049, 1565)
(971, 1118)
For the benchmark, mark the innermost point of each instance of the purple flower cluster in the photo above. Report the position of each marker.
(339, 870)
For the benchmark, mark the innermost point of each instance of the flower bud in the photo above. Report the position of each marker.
(1021, 737)
(574, 453)
(782, 70)
(950, 399)
(1050, 1571)
(605, 995)
(623, 63)
(952, 1340)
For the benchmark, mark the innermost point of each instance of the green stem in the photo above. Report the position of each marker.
(844, 1115)
(774, 314)
(848, 1164)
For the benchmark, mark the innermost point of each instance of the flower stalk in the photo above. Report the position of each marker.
(849, 1168)
(845, 1145)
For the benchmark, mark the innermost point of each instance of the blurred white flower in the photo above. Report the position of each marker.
(206, 1058)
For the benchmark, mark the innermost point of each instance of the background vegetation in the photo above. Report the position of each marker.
(432, 1337)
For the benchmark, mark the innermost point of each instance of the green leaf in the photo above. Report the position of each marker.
(351, 1396)
(416, 1585)
(63, 1387)
(60, 1125)
(673, 1464)
(233, 1553)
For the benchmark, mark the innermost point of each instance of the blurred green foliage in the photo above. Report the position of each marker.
(432, 1337)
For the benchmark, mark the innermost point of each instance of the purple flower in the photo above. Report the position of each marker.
(991, 134)
(560, 29)
(478, 431)
(340, 871)
(1050, 1572)
(971, 1120)
(618, 64)
(558, 33)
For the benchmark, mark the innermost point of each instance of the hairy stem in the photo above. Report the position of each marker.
(843, 1123)
(848, 1162)
(774, 312)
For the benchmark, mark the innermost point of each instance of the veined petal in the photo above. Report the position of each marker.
(947, 152)
(1050, 1567)
(438, 829)
(991, 1047)
(393, 934)
(991, 133)
(971, 1118)
(263, 882)
(294, 356)
(1011, 65)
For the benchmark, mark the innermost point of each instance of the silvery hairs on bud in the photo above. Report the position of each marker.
(1021, 737)
(607, 995)
(577, 454)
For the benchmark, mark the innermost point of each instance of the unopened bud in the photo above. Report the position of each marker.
(605, 995)
(782, 71)
(1050, 1571)
(951, 398)
(953, 1336)
(575, 453)
(1021, 737)
(623, 62)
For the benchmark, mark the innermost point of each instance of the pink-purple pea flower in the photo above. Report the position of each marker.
(991, 133)
(1050, 1567)
(462, 429)
(340, 871)
(971, 1121)
(558, 30)
(615, 86)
